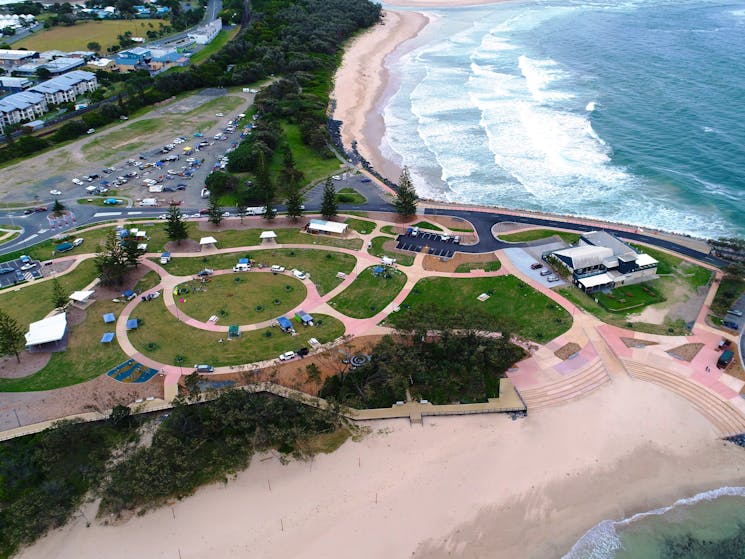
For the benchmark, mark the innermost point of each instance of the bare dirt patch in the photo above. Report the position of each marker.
(234, 224)
(634, 343)
(435, 263)
(30, 363)
(99, 394)
(686, 352)
(187, 245)
(450, 222)
(567, 350)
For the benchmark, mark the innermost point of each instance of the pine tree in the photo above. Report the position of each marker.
(215, 211)
(58, 295)
(289, 176)
(329, 205)
(176, 228)
(406, 197)
(111, 260)
(294, 204)
(57, 208)
(12, 336)
(269, 212)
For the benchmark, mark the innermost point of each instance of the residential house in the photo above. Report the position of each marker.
(66, 88)
(20, 107)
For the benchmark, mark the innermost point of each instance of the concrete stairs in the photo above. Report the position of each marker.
(587, 380)
(725, 417)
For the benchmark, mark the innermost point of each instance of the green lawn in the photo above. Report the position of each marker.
(728, 292)
(8, 233)
(222, 38)
(322, 265)
(85, 357)
(369, 294)
(350, 196)
(693, 274)
(377, 250)
(394, 230)
(628, 297)
(491, 266)
(77, 37)
(360, 225)
(427, 225)
(34, 301)
(148, 281)
(250, 237)
(313, 165)
(163, 337)
(242, 298)
(44, 251)
(528, 312)
(535, 234)
(587, 302)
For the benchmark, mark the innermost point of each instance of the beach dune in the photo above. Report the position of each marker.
(473, 486)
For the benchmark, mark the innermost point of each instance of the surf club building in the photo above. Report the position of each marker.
(601, 261)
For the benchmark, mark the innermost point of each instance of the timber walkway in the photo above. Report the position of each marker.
(725, 417)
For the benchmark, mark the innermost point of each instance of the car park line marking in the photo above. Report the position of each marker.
(106, 214)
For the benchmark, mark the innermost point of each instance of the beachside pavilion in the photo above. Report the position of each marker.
(601, 261)
(326, 227)
(48, 334)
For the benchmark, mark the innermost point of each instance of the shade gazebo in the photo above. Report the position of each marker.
(207, 241)
(268, 236)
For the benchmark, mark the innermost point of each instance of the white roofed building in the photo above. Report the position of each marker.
(328, 227)
(601, 261)
(20, 107)
(48, 333)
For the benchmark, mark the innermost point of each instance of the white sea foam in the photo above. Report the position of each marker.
(539, 76)
(590, 106)
(602, 539)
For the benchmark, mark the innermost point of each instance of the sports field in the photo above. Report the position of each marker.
(77, 37)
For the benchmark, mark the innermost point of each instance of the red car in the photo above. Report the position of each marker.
(40, 209)
(204, 211)
(536, 266)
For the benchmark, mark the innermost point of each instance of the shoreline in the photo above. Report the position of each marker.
(461, 486)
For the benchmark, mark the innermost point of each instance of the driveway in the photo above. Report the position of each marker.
(524, 260)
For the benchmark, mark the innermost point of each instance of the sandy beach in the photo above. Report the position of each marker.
(473, 486)
(362, 79)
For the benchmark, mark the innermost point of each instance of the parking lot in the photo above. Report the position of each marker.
(431, 242)
(18, 271)
(524, 261)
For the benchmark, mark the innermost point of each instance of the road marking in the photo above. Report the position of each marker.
(106, 214)
(31, 237)
(42, 231)
(135, 213)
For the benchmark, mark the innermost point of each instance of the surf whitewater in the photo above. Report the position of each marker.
(620, 111)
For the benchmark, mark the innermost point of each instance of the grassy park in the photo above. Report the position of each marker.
(377, 250)
(537, 234)
(322, 265)
(524, 310)
(350, 196)
(162, 337)
(362, 226)
(490, 266)
(628, 297)
(241, 298)
(77, 37)
(85, 358)
(369, 293)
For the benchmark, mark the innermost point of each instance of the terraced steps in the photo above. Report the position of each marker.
(722, 414)
(592, 377)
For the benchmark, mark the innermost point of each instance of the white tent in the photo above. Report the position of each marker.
(81, 296)
(327, 226)
(50, 329)
(267, 235)
(207, 241)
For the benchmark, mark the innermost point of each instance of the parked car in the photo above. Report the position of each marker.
(536, 266)
(204, 211)
(734, 312)
(204, 368)
(277, 269)
(365, 179)
(298, 274)
(28, 211)
(205, 272)
(726, 323)
(28, 266)
(78, 182)
(4, 270)
(40, 209)
(552, 278)
(77, 242)
(287, 355)
(55, 192)
(546, 273)
(91, 131)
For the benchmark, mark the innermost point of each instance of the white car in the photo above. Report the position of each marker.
(337, 177)
(219, 114)
(163, 216)
(226, 214)
(55, 192)
(277, 268)
(287, 355)
(77, 242)
(298, 274)
(78, 182)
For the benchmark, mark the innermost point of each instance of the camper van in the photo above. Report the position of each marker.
(149, 202)
(241, 267)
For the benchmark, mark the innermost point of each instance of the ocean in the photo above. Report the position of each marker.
(627, 111)
(710, 525)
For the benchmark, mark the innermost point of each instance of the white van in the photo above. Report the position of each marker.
(241, 267)
(149, 202)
